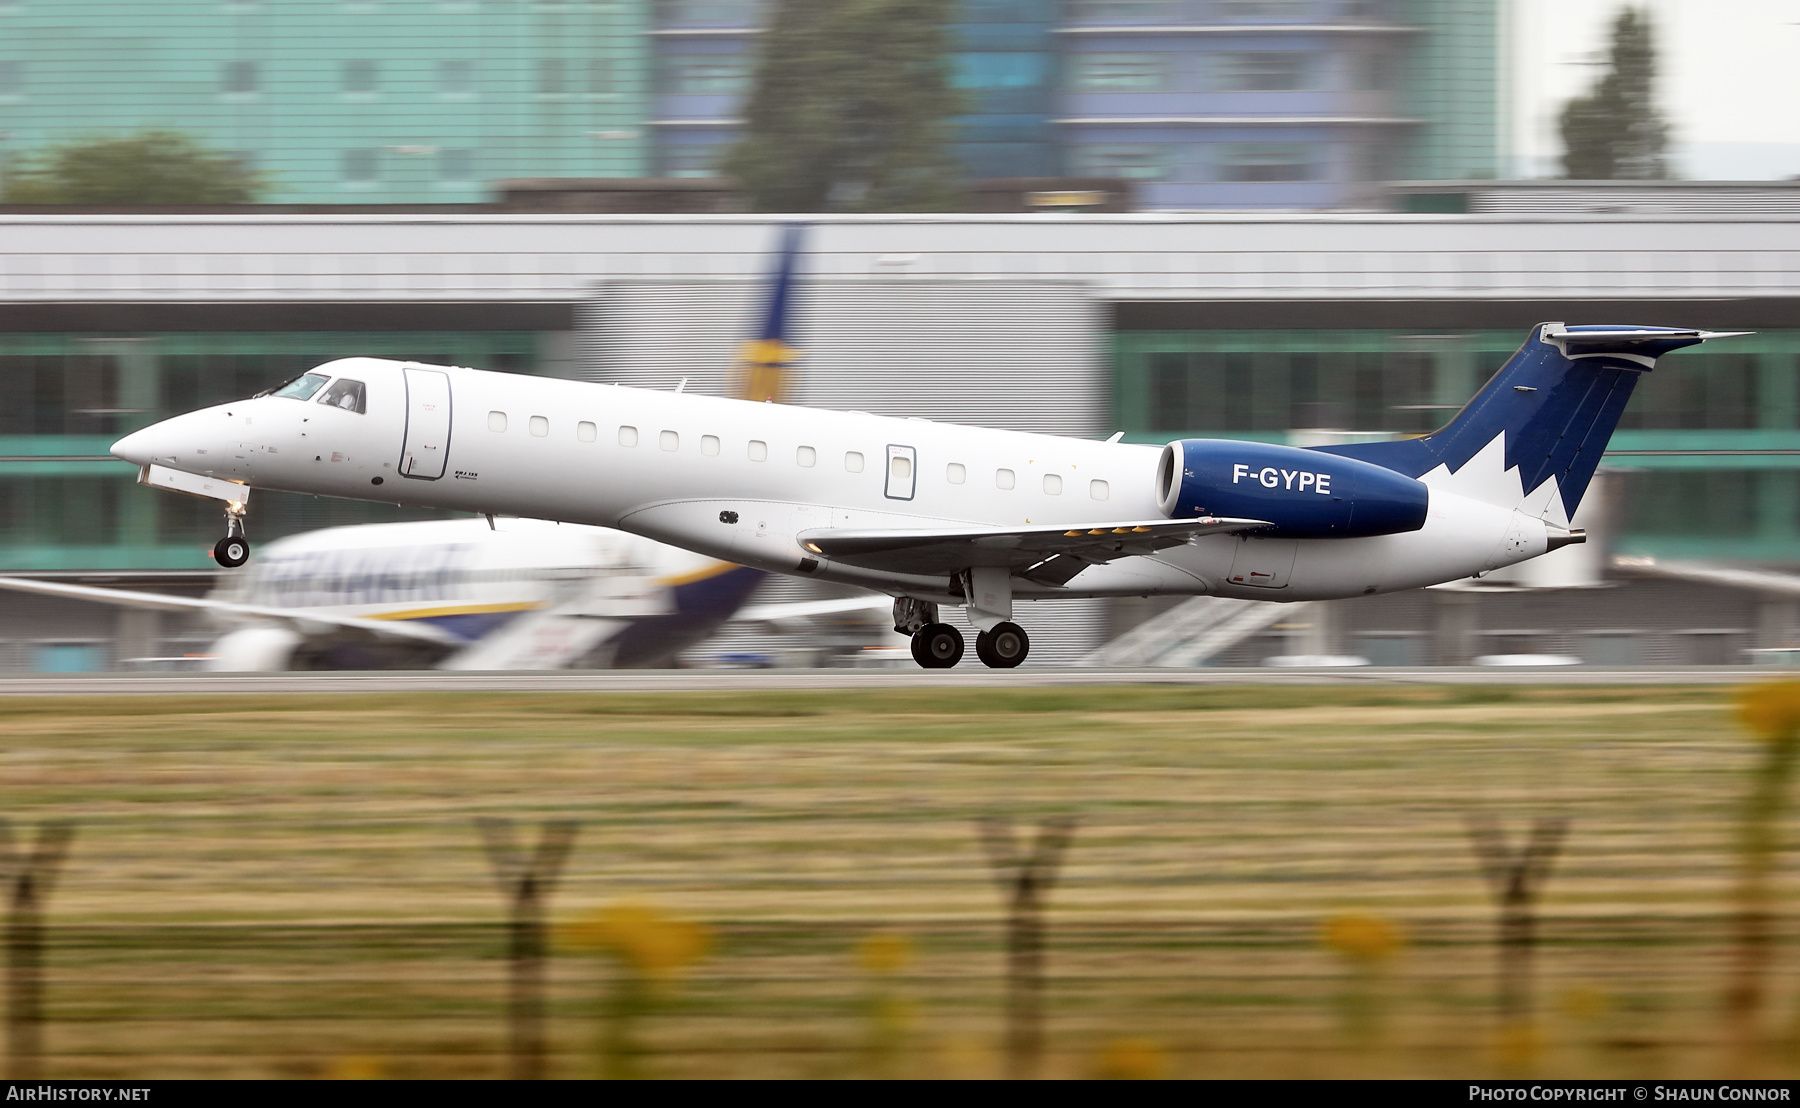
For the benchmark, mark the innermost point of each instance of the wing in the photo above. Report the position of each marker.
(304, 621)
(1047, 555)
(800, 610)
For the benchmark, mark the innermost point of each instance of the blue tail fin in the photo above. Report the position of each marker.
(765, 360)
(1554, 405)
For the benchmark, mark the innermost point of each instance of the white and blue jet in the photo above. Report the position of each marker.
(937, 514)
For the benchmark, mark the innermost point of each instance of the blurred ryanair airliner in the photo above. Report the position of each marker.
(464, 594)
(481, 594)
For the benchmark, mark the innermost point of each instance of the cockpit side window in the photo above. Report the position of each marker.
(301, 387)
(345, 393)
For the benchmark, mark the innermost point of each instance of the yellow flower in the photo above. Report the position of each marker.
(1519, 1043)
(655, 944)
(1770, 710)
(1131, 1060)
(1362, 938)
(884, 952)
(357, 1067)
(1585, 1002)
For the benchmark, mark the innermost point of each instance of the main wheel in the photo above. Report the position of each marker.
(231, 551)
(1004, 647)
(937, 646)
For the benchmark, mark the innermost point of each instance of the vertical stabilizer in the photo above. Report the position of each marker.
(1532, 438)
(764, 361)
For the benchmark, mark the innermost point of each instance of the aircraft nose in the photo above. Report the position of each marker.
(139, 447)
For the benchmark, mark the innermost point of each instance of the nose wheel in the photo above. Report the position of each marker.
(1004, 647)
(233, 550)
(937, 646)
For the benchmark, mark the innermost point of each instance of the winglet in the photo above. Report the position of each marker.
(764, 361)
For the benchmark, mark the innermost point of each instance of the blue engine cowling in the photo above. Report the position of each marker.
(1305, 494)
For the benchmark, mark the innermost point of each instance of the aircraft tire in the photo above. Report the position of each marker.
(1004, 647)
(937, 646)
(231, 551)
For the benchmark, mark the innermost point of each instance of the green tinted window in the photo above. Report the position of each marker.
(303, 386)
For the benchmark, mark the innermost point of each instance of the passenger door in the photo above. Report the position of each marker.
(426, 449)
(902, 472)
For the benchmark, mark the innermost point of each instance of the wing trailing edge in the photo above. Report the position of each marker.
(1049, 555)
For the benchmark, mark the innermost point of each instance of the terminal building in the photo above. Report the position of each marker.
(1269, 104)
(1296, 328)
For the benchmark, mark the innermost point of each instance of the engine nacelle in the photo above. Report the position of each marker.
(1305, 494)
(254, 650)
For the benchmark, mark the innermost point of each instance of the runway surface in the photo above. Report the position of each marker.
(682, 680)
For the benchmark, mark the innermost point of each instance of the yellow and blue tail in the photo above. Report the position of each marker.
(764, 361)
(1549, 412)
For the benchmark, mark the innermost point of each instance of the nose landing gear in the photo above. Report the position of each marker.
(233, 550)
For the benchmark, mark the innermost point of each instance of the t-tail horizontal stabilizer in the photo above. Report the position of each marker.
(1533, 436)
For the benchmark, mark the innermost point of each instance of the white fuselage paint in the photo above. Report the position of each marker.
(695, 460)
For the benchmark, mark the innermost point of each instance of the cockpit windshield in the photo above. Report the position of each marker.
(346, 394)
(301, 387)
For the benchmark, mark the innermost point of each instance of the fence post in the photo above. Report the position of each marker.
(1025, 879)
(1517, 881)
(526, 880)
(32, 875)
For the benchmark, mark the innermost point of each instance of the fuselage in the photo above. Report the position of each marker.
(472, 579)
(740, 481)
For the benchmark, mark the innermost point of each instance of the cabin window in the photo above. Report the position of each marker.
(853, 462)
(346, 394)
(955, 473)
(1099, 490)
(900, 467)
(1053, 484)
(759, 450)
(709, 445)
(540, 426)
(669, 441)
(302, 387)
(1003, 478)
(496, 421)
(806, 456)
(628, 436)
(586, 431)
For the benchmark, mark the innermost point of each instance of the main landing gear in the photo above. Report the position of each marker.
(1003, 647)
(938, 645)
(233, 550)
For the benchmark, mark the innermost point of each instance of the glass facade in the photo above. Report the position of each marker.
(342, 102)
(1708, 450)
(66, 504)
(1007, 72)
(1210, 103)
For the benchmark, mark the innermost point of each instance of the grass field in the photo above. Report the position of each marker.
(293, 886)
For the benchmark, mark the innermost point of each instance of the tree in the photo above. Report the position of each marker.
(851, 110)
(150, 167)
(1615, 131)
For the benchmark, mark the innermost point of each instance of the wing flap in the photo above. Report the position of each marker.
(1053, 555)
